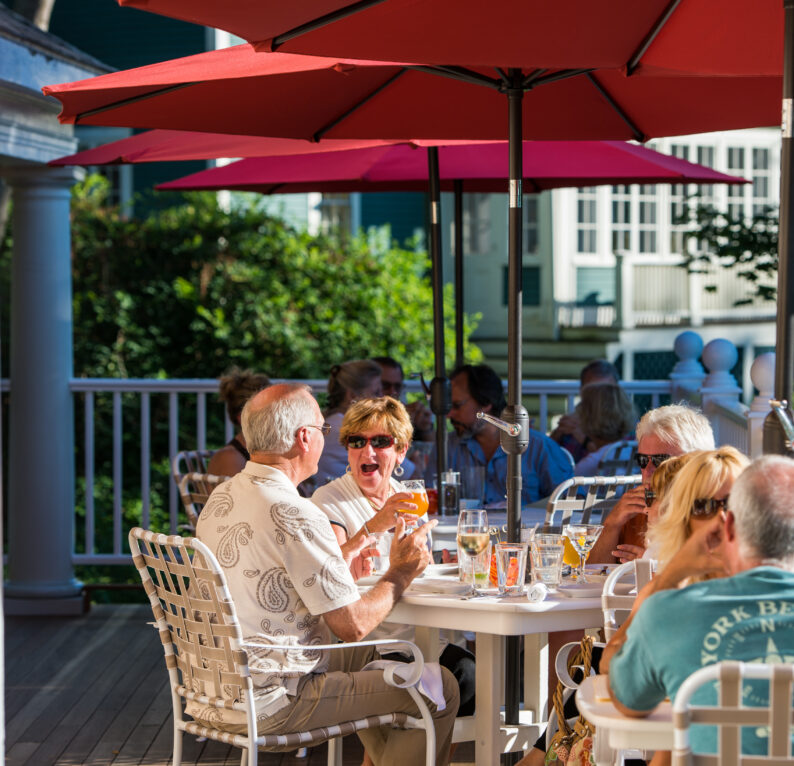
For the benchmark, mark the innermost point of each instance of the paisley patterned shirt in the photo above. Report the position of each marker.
(284, 569)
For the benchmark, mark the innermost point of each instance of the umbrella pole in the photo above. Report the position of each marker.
(515, 412)
(439, 386)
(774, 437)
(458, 187)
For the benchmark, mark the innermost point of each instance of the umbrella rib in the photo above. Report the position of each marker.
(563, 74)
(133, 100)
(333, 123)
(460, 73)
(531, 78)
(321, 21)
(634, 61)
(638, 134)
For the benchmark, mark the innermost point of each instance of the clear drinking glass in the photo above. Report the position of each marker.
(474, 540)
(546, 556)
(511, 567)
(418, 495)
(582, 537)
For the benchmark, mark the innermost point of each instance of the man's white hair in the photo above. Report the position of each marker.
(272, 427)
(762, 502)
(678, 425)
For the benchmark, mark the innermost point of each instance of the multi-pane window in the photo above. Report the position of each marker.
(530, 223)
(705, 192)
(678, 194)
(647, 219)
(621, 218)
(735, 191)
(335, 213)
(586, 220)
(762, 181)
(476, 223)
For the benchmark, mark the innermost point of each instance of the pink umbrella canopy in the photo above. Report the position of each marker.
(482, 165)
(651, 36)
(175, 145)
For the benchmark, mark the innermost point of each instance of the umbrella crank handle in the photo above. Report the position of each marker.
(780, 408)
(511, 429)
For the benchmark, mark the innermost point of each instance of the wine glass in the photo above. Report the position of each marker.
(583, 537)
(473, 540)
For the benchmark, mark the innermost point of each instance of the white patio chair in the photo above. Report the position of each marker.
(585, 499)
(190, 461)
(730, 715)
(616, 606)
(194, 490)
(619, 459)
(207, 659)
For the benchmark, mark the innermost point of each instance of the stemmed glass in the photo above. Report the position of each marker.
(473, 538)
(583, 537)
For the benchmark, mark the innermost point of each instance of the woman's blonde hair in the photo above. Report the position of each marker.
(704, 474)
(385, 413)
(663, 476)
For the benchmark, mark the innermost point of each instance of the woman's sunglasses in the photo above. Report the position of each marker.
(657, 460)
(706, 507)
(382, 441)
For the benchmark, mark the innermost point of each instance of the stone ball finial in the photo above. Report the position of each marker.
(688, 345)
(720, 355)
(762, 373)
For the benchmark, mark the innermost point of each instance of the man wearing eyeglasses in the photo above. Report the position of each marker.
(661, 433)
(744, 612)
(291, 584)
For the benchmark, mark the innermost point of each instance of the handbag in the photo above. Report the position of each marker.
(572, 744)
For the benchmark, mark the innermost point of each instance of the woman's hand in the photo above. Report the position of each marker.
(385, 518)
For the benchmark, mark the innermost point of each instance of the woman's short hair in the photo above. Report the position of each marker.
(606, 412)
(678, 425)
(385, 413)
(237, 386)
(703, 475)
(355, 376)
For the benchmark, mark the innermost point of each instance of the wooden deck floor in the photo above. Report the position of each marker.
(93, 690)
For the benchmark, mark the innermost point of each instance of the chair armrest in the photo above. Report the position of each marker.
(561, 663)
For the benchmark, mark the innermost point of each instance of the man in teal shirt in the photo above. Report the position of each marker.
(745, 613)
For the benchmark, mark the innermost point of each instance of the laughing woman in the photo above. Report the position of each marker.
(377, 434)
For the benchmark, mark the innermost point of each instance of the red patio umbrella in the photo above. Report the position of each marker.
(704, 36)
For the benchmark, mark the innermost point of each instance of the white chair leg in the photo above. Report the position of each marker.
(244, 757)
(302, 752)
(177, 759)
(335, 751)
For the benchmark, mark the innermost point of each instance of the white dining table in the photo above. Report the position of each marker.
(618, 731)
(491, 619)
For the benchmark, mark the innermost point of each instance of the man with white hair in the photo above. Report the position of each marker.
(745, 613)
(290, 582)
(661, 433)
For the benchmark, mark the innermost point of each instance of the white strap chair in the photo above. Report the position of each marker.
(194, 490)
(730, 715)
(207, 659)
(585, 499)
(616, 606)
(619, 459)
(190, 461)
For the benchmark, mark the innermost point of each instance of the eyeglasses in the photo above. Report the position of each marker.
(706, 507)
(381, 441)
(650, 496)
(391, 389)
(325, 428)
(657, 460)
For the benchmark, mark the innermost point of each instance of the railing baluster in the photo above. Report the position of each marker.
(117, 473)
(173, 448)
(543, 415)
(146, 458)
(88, 469)
(201, 420)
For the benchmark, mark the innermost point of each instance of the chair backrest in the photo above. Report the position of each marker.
(194, 489)
(190, 461)
(618, 460)
(585, 500)
(730, 714)
(197, 623)
(616, 606)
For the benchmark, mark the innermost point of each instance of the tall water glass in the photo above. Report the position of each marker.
(546, 557)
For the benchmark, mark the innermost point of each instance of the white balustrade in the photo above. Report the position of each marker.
(762, 373)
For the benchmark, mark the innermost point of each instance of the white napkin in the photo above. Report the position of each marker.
(430, 684)
(537, 593)
(438, 585)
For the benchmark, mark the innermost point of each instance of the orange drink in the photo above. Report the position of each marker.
(416, 487)
(570, 556)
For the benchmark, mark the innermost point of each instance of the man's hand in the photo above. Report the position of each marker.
(631, 503)
(626, 552)
(409, 554)
(568, 425)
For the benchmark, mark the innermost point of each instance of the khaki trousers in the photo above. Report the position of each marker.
(345, 694)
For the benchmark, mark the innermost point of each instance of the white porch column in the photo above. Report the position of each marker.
(41, 429)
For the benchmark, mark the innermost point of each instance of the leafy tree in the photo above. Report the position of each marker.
(720, 240)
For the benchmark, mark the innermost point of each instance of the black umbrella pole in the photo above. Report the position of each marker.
(774, 438)
(458, 187)
(439, 386)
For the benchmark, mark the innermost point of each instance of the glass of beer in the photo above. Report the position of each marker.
(418, 495)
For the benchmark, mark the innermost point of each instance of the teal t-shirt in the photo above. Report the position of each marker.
(747, 617)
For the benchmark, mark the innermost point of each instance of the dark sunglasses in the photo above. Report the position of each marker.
(657, 460)
(356, 441)
(650, 496)
(706, 507)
